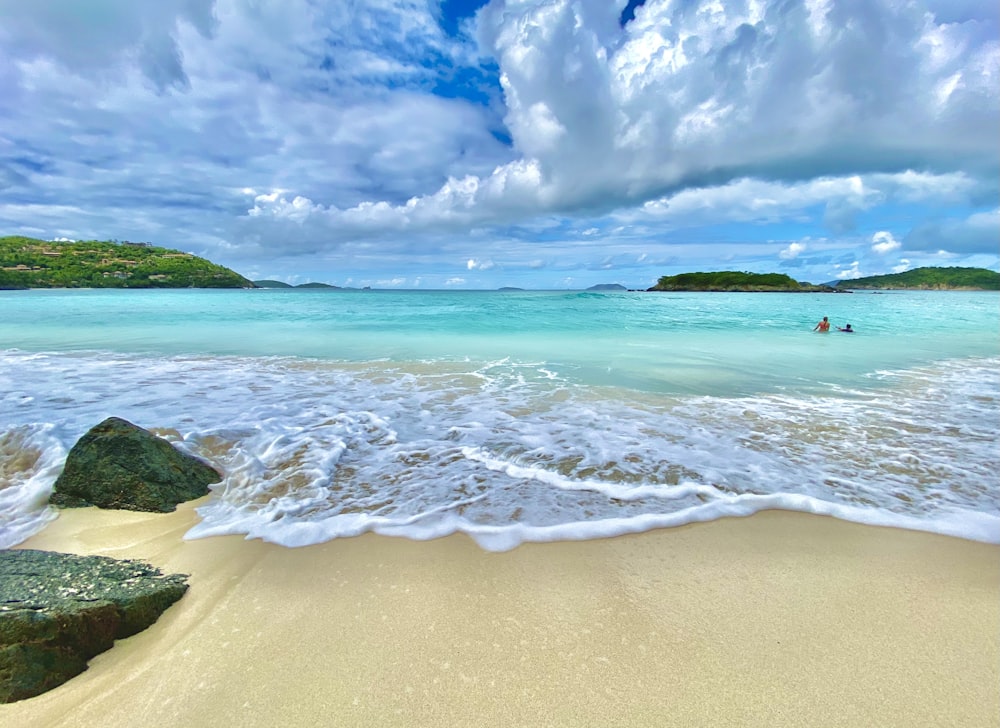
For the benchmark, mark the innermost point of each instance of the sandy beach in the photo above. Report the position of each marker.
(780, 619)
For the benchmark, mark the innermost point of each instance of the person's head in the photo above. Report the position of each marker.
(848, 326)
(824, 318)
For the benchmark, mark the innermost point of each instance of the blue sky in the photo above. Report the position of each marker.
(530, 143)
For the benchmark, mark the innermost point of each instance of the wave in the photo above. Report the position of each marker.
(509, 452)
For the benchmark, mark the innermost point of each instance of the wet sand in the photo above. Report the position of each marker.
(780, 619)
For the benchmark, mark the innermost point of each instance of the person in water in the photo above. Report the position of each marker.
(847, 329)
(823, 326)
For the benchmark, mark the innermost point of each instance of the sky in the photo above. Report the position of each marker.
(547, 144)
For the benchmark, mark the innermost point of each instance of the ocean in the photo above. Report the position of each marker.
(516, 416)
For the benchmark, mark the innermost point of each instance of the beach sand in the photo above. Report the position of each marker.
(780, 619)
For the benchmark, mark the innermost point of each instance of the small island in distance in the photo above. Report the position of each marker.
(918, 279)
(280, 284)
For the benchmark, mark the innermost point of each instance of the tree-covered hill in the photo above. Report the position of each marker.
(734, 281)
(933, 278)
(32, 263)
(271, 284)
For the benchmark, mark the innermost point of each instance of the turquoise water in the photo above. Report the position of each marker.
(517, 416)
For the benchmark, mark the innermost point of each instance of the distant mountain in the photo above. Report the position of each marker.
(930, 279)
(315, 285)
(510, 288)
(735, 281)
(271, 284)
(608, 287)
(33, 263)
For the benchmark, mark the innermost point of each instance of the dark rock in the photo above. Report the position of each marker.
(119, 465)
(59, 610)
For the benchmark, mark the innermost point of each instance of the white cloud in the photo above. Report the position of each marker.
(792, 251)
(851, 272)
(473, 264)
(455, 281)
(883, 242)
(904, 265)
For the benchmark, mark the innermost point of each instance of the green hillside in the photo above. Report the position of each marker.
(32, 263)
(271, 284)
(733, 281)
(931, 279)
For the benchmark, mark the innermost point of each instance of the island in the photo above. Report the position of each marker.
(737, 281)
(608, 287)
(929, 279)
(32, 263)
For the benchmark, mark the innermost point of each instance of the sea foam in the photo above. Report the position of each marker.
(509, 451)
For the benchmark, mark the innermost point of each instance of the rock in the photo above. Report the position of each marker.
(59, 610)
(119, 465)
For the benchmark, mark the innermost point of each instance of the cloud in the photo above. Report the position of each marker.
(792, 251)
(377, 139)
(883, 242)
(977, 233)
(106, 36)
(473, 264)
(697, 96)
(851, 272)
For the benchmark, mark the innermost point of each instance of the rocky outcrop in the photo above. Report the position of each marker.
(59, 610)
(122, 466)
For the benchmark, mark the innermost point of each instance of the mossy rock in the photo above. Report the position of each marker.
(121, 466)
(59, 610)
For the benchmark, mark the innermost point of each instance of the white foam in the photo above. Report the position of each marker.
(511, 451)
(30, 460)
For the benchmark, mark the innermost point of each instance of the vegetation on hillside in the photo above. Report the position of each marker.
(934, 278)
(31, 263)
(733, 281)
(267, 283)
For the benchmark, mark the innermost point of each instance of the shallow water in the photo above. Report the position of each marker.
(517, 416)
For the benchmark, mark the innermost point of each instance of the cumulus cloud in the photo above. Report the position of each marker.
(695, 96)
(792, 251)
(690, 94)
(883, 242)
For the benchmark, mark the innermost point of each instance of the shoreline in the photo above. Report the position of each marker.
(778, 619)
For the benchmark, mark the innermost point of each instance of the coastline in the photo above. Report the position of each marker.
(775, 619)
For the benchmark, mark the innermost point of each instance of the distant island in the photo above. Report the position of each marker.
(32, 263)
(930, 279)
(736, 281)
(608, 287)
(280, 284)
